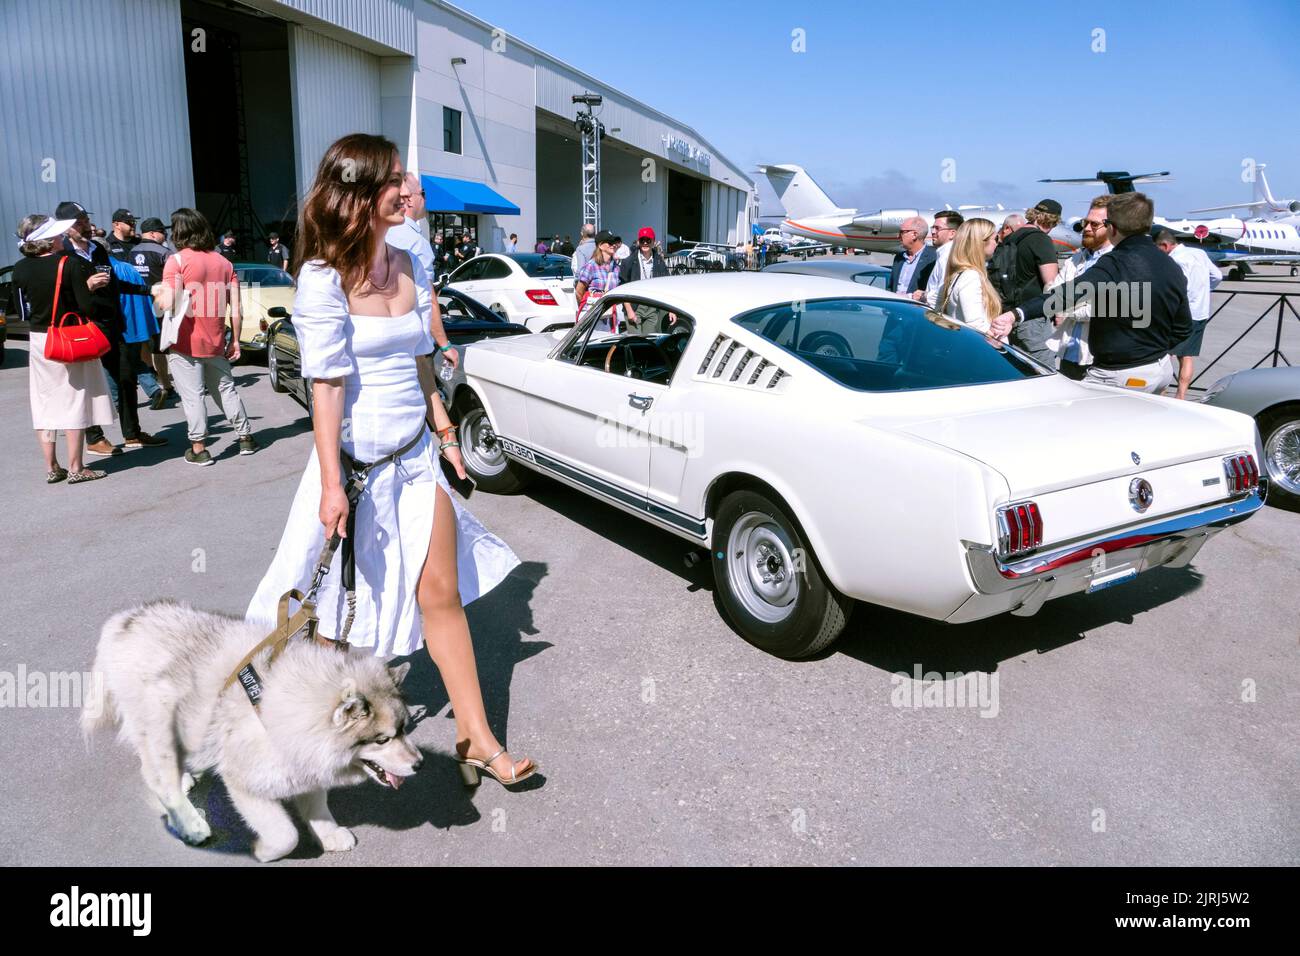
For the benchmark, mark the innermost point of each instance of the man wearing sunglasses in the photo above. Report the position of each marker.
(930, 282)
(1138, 296)
(905, 272)
(645, 263)
(1070, 339)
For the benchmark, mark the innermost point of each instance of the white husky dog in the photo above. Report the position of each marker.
(325, 719)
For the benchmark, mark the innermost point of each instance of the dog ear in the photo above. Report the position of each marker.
(398, 673)
(351, 707)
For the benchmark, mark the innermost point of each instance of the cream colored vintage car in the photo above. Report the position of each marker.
(262, 287)
(831, 443)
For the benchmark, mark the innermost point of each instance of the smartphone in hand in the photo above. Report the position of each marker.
(464, 486)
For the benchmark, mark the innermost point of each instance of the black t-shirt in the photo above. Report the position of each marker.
(1034, 248)
(34, 279)
(278, 255)
(227, 251)
(121, 248)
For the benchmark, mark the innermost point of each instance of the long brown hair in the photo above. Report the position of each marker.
(191, 230)
(335, 225)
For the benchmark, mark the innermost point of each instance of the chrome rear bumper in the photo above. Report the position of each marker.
(1171, 541)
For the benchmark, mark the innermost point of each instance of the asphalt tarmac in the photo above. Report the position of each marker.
(1153, 723)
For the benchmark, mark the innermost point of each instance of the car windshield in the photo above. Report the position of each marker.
(882, 345)
(545, 267)
(266, 277)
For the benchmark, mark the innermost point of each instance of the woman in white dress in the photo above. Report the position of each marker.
(362, 317)
(967, 294)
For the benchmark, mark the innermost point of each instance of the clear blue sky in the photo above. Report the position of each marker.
(1011, 91)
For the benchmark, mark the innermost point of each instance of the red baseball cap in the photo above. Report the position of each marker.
(646, 233)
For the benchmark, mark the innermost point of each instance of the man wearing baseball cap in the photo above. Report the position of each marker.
(106, 312)
(644, 263)
(1033, 269)
(149, 257)
(122, 238)
(227, 245)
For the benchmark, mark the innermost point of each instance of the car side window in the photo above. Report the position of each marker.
(494, 269)
(453, 310)
(648, 345)
(469, 272)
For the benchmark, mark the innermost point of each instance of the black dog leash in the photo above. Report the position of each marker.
(357, 473)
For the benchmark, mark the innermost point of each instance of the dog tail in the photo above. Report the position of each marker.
(97, 708)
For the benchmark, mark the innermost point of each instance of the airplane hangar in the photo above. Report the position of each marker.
(154, 121)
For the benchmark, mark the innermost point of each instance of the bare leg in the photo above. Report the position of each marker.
(276, 834)
(75, 439)
(49, 449)
(446, 634)
(314, 807)
(1185, 364)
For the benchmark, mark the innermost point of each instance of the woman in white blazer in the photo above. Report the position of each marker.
(967, 295)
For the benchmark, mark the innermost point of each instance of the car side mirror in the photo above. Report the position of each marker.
(277, 312)
(442, 279)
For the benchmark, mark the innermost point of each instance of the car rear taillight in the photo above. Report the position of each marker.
(1242, 473)
(541, 296)
(1020, 529)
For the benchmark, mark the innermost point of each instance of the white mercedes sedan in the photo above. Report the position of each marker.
(830, 444)
(532, 289)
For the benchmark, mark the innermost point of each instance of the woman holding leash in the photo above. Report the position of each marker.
(362, 316)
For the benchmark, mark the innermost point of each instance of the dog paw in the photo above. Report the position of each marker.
(340, 840)
(265, 851)
(191, 826)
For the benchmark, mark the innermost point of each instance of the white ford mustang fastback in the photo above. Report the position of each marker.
(830, 443)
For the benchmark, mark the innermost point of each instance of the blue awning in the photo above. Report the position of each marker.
(443, 194)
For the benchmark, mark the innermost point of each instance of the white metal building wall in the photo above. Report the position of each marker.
(335, 90)
(118, 146)
(389, 23)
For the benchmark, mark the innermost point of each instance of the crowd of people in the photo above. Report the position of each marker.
(1119, 311)
(120, 283)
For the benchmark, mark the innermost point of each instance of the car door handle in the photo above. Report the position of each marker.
(642, 402)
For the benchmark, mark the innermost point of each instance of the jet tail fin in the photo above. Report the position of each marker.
(800, 196)
(1263, 195)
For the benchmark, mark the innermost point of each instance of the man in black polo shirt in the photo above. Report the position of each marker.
(106, 312)
(278, 253)
(227, 245)
(1137, 301)
(122, 237)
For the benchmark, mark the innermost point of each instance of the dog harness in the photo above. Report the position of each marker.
(356, 474)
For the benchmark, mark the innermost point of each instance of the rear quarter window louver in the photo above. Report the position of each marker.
(713, 350)
(759, 370)
(740, 366)
(726, 357)
(776, 377)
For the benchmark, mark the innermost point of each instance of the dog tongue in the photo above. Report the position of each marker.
(393, 779)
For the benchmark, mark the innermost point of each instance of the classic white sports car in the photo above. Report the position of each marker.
(830, 443)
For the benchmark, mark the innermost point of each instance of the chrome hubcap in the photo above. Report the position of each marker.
(479, 446)
(761, 568)
(1282, 457)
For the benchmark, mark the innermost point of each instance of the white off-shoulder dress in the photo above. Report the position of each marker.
(383, 408)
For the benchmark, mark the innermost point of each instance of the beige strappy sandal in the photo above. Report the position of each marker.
(471, 769)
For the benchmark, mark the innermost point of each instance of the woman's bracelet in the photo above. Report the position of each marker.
(448, 444)
(445, 348)
(440, 432)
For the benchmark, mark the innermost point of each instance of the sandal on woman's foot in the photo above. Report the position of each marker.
(471, 769)
(55, 476)
(77, 477)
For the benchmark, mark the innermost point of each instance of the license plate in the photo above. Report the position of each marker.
(1108, 579)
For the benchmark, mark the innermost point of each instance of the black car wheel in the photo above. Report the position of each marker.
(769, 582)
(485, 461)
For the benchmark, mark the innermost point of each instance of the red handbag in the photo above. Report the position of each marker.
(77, 341)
